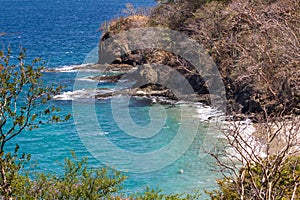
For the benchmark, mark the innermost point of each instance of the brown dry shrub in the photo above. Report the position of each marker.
(125, 23)
(256, 45)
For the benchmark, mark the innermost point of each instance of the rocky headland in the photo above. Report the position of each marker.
(255, 45)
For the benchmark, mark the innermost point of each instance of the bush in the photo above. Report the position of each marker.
(77, 182)
(259, 161)
(285, 182)
(255, 45)
(151, 194)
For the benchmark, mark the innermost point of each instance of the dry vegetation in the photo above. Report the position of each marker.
(255, 44)
(263, 164)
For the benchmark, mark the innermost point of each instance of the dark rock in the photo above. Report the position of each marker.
(108, 78)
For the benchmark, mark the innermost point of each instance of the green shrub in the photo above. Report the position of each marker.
(77, 182)
(12, 183)
(151, 194)
(285, 182)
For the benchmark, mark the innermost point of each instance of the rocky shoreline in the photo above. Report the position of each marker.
(93, 67)
(252, 88)
(256, 78)
(129, 75)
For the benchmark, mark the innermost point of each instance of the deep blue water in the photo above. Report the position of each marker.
(63, 32)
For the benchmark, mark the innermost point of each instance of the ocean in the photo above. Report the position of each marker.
(65, 33)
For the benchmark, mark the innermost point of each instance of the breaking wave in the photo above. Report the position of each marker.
(79, 94)
(72, 68)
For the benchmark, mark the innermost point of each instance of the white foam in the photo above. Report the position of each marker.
(77, 94)
(247, 129)
(87, 79)
(207, 113)
(72, 68)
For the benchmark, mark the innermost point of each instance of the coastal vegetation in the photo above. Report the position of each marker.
(255, 45)
(260, 164)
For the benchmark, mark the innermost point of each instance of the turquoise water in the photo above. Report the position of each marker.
(63, 33)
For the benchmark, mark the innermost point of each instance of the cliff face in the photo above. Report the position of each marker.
(255, 44)
(151, 74)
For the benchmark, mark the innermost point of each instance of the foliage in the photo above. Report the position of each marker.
(175, 13)
(131, 10)
(151, 194)
(22, 91)
(255, 45)
(259, 165)
(11, 182)
(77, 182)
(284, 182)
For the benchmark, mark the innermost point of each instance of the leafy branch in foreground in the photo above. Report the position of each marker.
(11, 182)
(77, 181)
(24, 105)
(22, 91)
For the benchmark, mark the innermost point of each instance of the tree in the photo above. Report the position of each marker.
(263, 164)
(22, 91)
(11, 182)
(256, 53)
(24, 105)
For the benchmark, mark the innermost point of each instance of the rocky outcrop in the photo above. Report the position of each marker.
(255, 45)
(158, 72)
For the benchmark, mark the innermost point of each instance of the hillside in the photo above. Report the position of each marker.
(255, 45)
